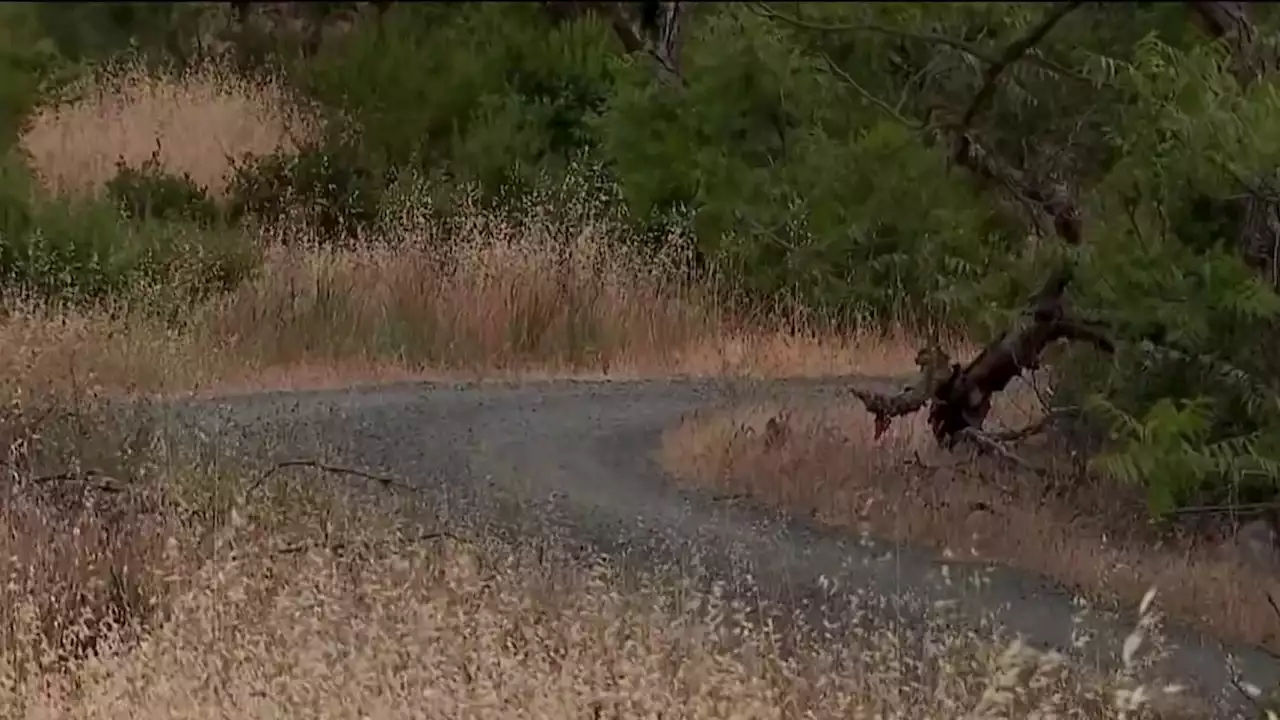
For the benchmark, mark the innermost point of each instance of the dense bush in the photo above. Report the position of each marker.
(149, 192)
(86, 249)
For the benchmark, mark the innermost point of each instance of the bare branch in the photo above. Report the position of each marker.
(1051, 206)
(987, 443)
(668, 34)
(1035, 428)
(889, 110)
(1229, 22)
(960, 398)
(92, 479)
(385, 480)
(765, 10)
(935, 370)
(1054, 202)
(1012, 54)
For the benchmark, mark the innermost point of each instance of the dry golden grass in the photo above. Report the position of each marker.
(497, 304)
(264, 615)
(1085, 533)
(196, 124)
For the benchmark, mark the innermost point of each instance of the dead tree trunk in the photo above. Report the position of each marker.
(959, 398)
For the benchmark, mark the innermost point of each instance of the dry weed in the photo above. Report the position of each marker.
(504, 299)
(483, 629)
(493, 296)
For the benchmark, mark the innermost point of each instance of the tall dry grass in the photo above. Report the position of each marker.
(272, 615)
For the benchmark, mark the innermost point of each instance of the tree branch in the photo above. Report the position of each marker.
(847, 79)
(764, 10)
(959, 399)
(1053, 202)
(1230, 23)
(1012, 54)
(385, 480)
(1050, 207)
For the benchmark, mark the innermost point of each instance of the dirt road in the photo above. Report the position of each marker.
(579, 457)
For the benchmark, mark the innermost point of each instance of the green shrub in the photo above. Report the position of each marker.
(29, 66)
(151, 193)
(85, 250)
(333, 186)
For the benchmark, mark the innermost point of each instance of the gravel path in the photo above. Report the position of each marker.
(579, 457)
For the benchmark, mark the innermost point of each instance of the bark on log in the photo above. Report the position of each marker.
(959, 397)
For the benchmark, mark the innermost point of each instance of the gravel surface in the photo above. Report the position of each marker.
(578, 459)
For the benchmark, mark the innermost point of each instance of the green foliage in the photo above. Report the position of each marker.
(1191, 399)
(336, 188)
(83, 250)
(29, 65)
(161, 33)
(1172, 452)
(151, 193)
(502, 88)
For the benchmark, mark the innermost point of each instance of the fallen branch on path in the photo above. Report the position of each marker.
(341, 548)
(385, 481)
(959, 398)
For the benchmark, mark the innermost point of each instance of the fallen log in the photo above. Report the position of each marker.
(959, 397)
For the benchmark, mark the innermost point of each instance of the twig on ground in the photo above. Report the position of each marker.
(339, 547)
(1035, 428)
(93, 479)
(986, 442)
(385, 480)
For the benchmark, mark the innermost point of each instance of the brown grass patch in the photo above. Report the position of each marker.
(1091, 536)
(195, 124)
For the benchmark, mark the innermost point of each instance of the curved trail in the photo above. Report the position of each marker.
(578, 456)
